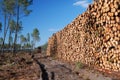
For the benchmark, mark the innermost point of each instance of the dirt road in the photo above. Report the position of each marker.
(52, 69)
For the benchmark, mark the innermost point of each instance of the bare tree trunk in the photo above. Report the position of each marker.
(16, 29)
(10, 33)
(5, 31)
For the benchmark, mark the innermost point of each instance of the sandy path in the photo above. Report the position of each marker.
(52, 69)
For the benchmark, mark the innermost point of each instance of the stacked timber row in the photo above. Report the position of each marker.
(92, 38)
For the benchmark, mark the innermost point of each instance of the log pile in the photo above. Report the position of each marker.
(92, 38)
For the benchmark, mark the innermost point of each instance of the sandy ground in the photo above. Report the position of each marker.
(52, 69)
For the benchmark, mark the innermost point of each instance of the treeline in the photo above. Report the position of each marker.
(12, 12)
(44, 47)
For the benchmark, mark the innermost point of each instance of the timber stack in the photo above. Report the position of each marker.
(92, 38)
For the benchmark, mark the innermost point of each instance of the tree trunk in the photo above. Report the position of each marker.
(10, 33)
(16, 29)
(5, 31)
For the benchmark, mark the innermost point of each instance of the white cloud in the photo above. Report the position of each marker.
(53, 30)
(84, 3)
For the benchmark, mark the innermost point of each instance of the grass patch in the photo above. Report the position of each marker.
(79, 65)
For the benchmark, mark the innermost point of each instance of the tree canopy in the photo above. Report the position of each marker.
(35, 34)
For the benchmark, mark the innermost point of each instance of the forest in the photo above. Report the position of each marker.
(11, 38)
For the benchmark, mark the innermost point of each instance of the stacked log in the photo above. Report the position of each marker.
(92, 38)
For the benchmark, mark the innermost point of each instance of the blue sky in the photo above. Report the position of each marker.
(50, 16)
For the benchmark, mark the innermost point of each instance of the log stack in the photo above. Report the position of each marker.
(92, 38)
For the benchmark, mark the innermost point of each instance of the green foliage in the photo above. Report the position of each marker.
(23, 39)
(44, 47)
(32, 44)
(19, 27)
(35, 35)
(27, 45)
(12, 10)
(11, 39)
(1, 40)
(28, 37)
(12, 25)
(79, 65)
(24, 5)
(9, 6)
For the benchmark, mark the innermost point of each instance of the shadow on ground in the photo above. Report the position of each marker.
(44, 71)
